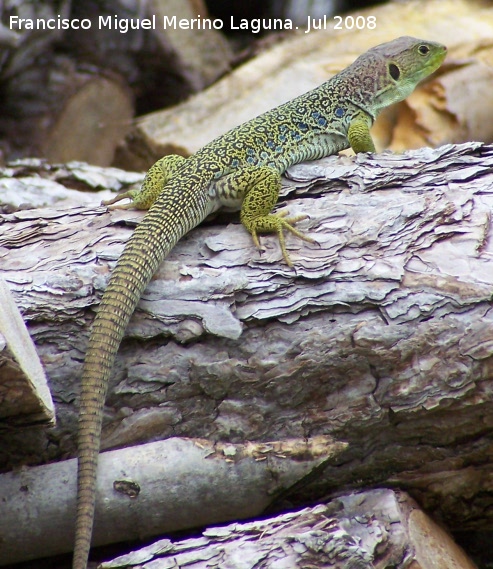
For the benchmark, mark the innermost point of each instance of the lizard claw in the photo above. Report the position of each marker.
(110, 203)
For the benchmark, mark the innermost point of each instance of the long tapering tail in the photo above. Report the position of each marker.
(176, 211)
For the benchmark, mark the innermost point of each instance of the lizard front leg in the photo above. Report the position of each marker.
(358, 135)
(156, 178)
(261, 187)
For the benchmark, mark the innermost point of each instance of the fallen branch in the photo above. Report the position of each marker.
(151, 489)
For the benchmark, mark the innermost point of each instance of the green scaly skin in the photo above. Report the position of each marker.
(240, 169)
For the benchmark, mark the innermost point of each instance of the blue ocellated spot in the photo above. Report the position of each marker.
(303, 126)
(339, 112)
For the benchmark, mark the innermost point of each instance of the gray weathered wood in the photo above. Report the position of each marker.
(382, 337)
(24, 392)
(378, 529)
(152, 489)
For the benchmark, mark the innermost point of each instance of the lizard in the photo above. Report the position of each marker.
(241, 170)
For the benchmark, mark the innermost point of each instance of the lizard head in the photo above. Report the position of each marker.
(398, 66)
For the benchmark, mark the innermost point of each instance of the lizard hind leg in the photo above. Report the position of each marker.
(156, 178)
(261, 186)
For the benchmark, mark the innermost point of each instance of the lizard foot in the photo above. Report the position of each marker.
(131, 194)
(276, 223)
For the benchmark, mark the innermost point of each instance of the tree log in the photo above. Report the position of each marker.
(377, 529)
(24, 392)
(71, 93)
(150, 490)
(382, 337)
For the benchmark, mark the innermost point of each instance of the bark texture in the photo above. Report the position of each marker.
(382, 337)
(377, 529)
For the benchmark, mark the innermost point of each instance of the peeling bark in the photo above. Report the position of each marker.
(342, 535)
(381, 338)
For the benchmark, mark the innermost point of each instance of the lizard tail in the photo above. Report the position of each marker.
(165, 223)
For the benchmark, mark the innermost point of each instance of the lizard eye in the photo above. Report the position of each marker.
(394, 71)
(423, 49)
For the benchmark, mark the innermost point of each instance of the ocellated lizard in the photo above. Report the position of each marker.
(241, 169)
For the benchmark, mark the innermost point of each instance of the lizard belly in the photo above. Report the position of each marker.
(226, 194)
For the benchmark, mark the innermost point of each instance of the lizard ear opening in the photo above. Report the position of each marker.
(394, 71)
